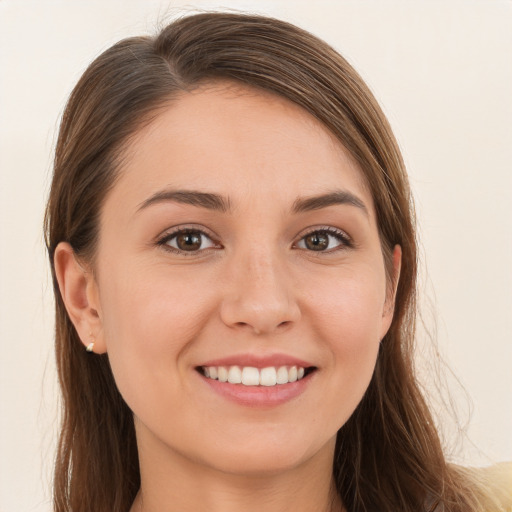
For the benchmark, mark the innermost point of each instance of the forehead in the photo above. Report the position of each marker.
(238, 141)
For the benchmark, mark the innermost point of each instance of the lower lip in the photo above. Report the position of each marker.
(259, 396)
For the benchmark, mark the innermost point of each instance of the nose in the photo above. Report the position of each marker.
(259, 295)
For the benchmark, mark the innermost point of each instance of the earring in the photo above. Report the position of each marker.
(90, 347)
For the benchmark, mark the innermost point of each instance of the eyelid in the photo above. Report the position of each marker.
(346, 241)
(163, 239)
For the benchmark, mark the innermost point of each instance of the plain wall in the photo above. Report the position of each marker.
(442, 71)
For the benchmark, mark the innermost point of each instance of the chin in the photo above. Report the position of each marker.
(265, 456)
(260, 465)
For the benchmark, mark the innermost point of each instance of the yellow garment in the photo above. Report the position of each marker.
(499, 480)
(496, 485)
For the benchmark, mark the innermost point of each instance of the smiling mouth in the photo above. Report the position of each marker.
(252, 376)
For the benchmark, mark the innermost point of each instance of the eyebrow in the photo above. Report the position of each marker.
(219, 203)
(192, 197)
(336, 197)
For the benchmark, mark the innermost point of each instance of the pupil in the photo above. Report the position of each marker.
(317, 241)
(189, 241)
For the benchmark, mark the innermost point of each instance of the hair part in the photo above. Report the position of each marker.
(388, 455)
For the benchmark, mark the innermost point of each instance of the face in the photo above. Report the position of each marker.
(240, 242)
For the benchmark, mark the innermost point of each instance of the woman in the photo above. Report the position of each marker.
(232, 242)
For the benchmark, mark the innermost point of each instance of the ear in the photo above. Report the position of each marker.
(79, 292)
(389, 306)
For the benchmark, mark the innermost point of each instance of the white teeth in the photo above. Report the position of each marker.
(268, 377)
(235, 375)
(222, 373)
(282, 375)
(250, 376)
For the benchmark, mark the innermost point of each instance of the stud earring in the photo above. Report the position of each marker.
(90, 347)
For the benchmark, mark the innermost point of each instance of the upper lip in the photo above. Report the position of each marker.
(258, 361)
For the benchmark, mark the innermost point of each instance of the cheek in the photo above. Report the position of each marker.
(149, 321)
(347, 319)
(349, 308)
(151, 307)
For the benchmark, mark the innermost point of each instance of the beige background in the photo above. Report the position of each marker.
(443, 73)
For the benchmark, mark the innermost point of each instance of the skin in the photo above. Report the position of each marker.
(253, 287)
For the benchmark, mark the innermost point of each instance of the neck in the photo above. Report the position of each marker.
(170, 483)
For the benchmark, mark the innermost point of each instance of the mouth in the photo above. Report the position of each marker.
(252, 376)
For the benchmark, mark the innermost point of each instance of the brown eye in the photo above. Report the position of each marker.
(189, 241)
(318, 241)
(324, 240)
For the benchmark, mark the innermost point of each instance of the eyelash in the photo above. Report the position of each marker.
(164, 241)
(345, 241)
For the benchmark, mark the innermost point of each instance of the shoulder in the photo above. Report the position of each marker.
(496, 483)
(499, 480)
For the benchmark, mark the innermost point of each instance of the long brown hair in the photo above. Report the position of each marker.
(388, 455)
